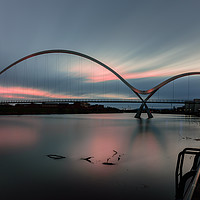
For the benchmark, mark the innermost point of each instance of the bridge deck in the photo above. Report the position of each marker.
(169, 101)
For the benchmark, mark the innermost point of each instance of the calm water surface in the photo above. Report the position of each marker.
(144, 154)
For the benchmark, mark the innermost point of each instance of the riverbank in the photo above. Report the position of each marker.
(76, 108)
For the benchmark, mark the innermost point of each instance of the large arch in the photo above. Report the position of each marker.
(136, 91)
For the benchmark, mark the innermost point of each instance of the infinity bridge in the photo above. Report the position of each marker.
(138, 92)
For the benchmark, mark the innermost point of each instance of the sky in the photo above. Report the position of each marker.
(145, 41)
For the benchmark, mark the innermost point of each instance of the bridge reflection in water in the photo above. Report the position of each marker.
(147, 148)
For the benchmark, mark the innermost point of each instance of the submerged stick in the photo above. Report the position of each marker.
(88, 159)
(54, 156)
(108, 163)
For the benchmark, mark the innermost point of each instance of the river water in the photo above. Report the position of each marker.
(139, 156)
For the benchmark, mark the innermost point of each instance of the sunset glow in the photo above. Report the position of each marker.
(31, 93)
(18, 92)
(97, 74)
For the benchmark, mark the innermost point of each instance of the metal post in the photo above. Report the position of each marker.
(139, 112)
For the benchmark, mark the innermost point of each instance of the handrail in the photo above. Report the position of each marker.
(190, 192)
(194, 173)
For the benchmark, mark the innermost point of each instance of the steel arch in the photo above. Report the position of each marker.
(136, 91)
(153, 90)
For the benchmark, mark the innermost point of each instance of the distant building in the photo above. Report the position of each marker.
(197, 105)
(81, 104)
(192, 106)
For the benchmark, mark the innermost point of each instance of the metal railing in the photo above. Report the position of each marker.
(185, 191)
(167, 101)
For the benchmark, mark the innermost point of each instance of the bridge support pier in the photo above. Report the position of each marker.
(139, 112)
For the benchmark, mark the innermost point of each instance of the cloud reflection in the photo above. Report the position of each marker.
(18, 132)
(17, 137)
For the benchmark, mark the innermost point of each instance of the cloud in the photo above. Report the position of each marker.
(29, 93)
(20, 93)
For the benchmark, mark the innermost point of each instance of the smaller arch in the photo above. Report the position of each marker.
(153, 90)
(156, 88)
(170, 80)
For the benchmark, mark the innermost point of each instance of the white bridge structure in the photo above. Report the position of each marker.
(136, 91)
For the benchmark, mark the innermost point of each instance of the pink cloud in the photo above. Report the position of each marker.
(136, 75)
(114, 96)
(96, 73)
(31, 93)
(9, 96)
(22, 92)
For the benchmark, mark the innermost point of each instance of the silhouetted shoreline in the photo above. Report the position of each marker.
(46, 108)
(76, 108)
